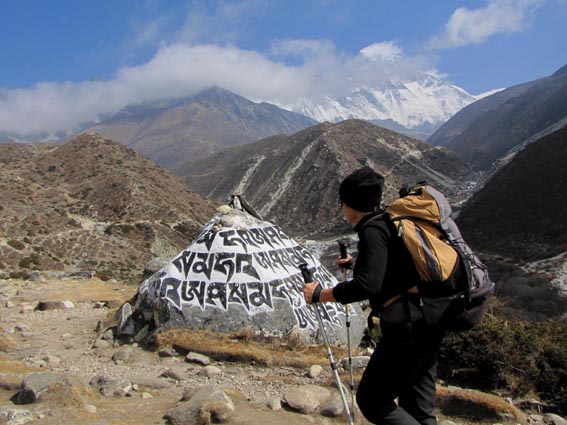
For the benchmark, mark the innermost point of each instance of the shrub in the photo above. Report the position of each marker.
(518, 357)
(16, 244)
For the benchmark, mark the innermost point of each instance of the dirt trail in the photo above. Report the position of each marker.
(62, 341)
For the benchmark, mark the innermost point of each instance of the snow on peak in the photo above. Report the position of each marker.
(425, 102)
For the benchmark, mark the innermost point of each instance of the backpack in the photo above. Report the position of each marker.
(455, 287)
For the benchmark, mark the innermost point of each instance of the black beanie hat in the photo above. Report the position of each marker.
(362, 189)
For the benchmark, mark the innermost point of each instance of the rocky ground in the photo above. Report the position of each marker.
(59, 366)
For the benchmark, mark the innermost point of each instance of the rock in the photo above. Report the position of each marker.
(168, 352)
(242, 251)
(37, 277)
(108, 335)
(101, 343)
(333, 407)
(55, 305)
(149, 382)
(210, 371)
(52, 360)
(126, 325)
(553, 419)
(274, 404)
(175, 373)
(208, 404)
(306, 399)
(358, 362)
(315, 371)
(90, 408)
(145, 395)
(110, 387)
(11, 416)
(9, 304)
(21, 327)
(197, 358)
(142, 334)
(122, 355)
(36, 384)
(155, 265)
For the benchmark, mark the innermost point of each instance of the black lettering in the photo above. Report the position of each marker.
(246, 237)
(183, 262)
(193, 291)
(259, 294)
(244, 265)
(225, 264)
(207, 238)
(170, 291)
(230, 238)
(238, 294)
(204, 264)
(216, 295)
(263, 259)
(272, 235)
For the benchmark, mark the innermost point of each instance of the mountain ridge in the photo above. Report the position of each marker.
(91, 204)
(485, 133)
(293, 180)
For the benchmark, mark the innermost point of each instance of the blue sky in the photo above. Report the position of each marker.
(66, 62)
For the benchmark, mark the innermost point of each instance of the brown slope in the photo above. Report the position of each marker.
(522, 210)
(91, 204)
(171, 132)
(293, 180)
(530, 112)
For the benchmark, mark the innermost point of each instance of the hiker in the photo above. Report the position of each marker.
(403, 365)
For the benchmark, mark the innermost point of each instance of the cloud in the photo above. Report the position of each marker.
(388, 51)
(466, 26)
(218, 22)
(179, 70)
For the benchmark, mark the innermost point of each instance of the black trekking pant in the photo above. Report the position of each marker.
(403, 367)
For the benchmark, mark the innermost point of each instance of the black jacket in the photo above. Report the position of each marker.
(383, 267)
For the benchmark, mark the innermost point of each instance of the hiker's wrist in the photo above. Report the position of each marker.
(326, 296)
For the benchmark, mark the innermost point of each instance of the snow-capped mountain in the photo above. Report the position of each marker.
(416, 108)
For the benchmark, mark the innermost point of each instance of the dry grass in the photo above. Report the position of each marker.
(244, 348)
(475, 404)
(6, 343)
(12, 373)
(81, 291)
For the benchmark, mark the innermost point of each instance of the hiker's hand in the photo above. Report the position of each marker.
(311, 289)
(345, 263)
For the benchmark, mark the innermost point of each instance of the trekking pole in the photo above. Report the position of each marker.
(307, 278)
(343, 245)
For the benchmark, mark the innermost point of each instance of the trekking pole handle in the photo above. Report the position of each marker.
(307, 276)
(343, 245)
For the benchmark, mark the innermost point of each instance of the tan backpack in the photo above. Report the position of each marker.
(455, 286)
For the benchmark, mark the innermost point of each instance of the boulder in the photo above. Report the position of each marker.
(208, 404)
(240, 273)
(36, 384)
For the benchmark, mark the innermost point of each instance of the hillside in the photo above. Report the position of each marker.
(171, 132)
(293, 180)
(521, 212)
(90, 204)
(481, 136)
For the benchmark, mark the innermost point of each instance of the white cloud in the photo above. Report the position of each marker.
(466, 26)
(387, 51)
(181, 70)
(222, 22)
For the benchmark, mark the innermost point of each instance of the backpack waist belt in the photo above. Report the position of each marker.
(395, 298)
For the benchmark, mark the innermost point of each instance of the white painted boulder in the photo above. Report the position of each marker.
(240, 273)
